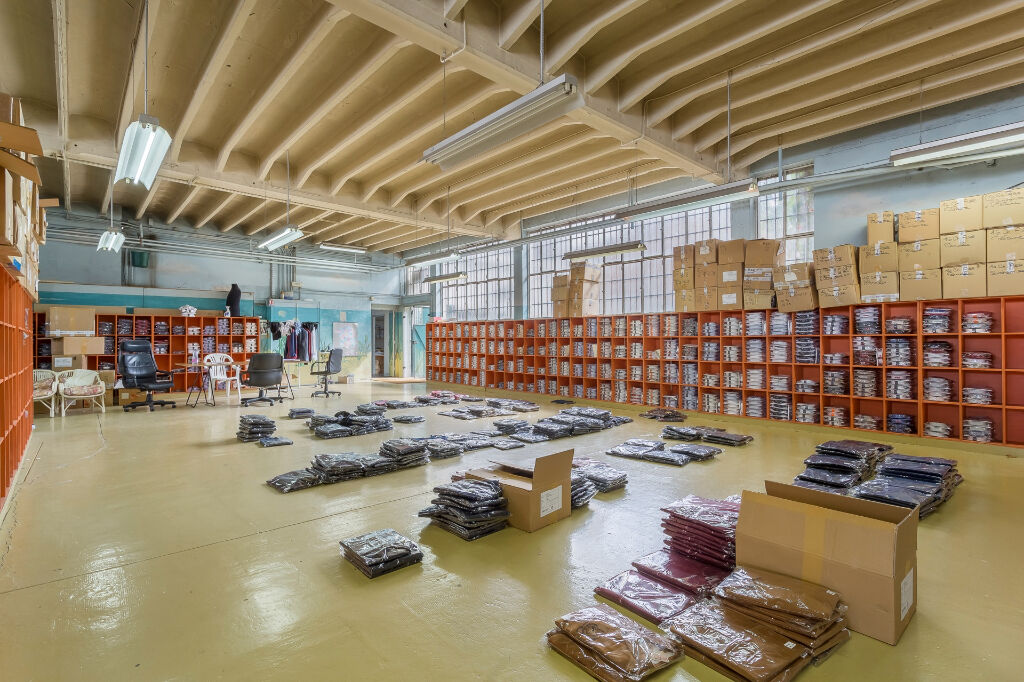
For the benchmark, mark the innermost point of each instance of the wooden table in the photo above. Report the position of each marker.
(202, 383)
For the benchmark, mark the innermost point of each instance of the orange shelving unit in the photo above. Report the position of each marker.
(15, 376)
(639, 359)
(172, 338)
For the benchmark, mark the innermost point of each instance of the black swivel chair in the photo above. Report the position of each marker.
(265, 370)
(137, 367)
(326, 371)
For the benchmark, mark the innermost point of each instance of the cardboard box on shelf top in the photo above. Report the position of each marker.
(922, 255)
(682, 277)
(77, 345)
(878, 256)
(879, 287)
(1002, 209)
(730, 297)
(844, 254)
(582, 271)
(1006, 278)
(757, 277)
(732, 251)
(866, 551)
(917, 225)
(68, 321)
(921, 285)
(682, 256)
(686, 301)
(538, 489)
(793, 275)
(764, 253)
(758, 299)
(705, 251)
(1004, 243)
(963, 247)
(796, 299)
(969, 280)
(961, 215)
(706, 298)
(730, 274)
(837, 276)
(881, 227)
(832, 297)
(705, 275)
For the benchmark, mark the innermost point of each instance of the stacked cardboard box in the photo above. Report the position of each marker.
(705, 274)
(22, 215)
(881, 227)
(578, 293)
(835, 270)
(879, 272)
(1003, 218)
(962, 247)
(761, 257)
(794, 287)
(730, 274)
(682, 278)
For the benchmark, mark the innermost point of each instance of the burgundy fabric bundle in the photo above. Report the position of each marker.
(689, 574)
(703, 529)
(645, 596)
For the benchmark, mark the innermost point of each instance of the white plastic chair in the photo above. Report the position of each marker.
(44, 388)
(216, 374)
(80, 384)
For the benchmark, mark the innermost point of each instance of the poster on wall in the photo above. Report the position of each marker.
(346, 337)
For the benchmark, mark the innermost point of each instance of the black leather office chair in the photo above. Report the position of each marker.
(137, 367)
(326, 371)
(265, 370)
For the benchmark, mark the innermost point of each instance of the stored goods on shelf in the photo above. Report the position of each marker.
(919, 255)
(881, 227)
(961, 215)
(918, 225)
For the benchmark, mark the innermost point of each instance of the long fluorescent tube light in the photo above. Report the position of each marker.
(430, 260)
(708, 196)
(286, 235)
(534, 109)
(347, 249)
(142, 151)
(602, 251)
(110, 240)
(1010, 135)
(438, 279)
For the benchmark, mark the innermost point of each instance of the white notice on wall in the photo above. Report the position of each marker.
(906, 594)
(550, 501)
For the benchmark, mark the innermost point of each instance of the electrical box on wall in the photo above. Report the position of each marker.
(296, 285)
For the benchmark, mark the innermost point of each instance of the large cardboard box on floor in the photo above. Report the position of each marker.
(67, 321)
(730, 297)
(961, 215)
(1001, 209)
(921, 285)
(77, 345)
(866, 551)
(686, 301)
(705, 251)
(881, 227)
(62, 363)
(837, 276)
(537, 489)
(963, 247)
(917, 225)
(730, 275)
(732, 251)
(834, 256)
(682, 257)
(796, 299)
(705, 275)
(758, 299)
(921, 255)
(1004, 243)
(793, 275)
(1006, 278)
(832, 297)
(879, 287)
(968, 280)
(764, 253)
(706, 298)
(878, 257)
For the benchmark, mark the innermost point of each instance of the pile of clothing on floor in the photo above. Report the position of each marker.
(259, 428)
(703, 529)
(344, 424)
(838, 465)
(514, 405)
(664, 415)
(301, 412)
(708, 434)
(604, 477)
(581, 490)
(470, 412)
(408, 419)
(380, 551)
(611, 647)
(371, 409)
(405, 452)
(468, 508)
(655, 451)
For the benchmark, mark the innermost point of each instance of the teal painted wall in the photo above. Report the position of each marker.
(131, 299)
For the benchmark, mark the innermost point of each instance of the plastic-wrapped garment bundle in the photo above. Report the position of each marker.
(510, 426)
(361, 424)
(472, 490)
(839, 464)
(336, 467)
(406, 452)
(469, 398)
(581, 490)
(316, 420)
(552, 429)
(476, 443)
(370, 409)
(529, 436)
(631, 649)
(299, 479)
(274, 441)
(486, 433)
(902, 492)
(301, 412)
(645, 596)
(580, 425)
(839, 479)
(782, 594)
(588, 412)
(408, 419)
(332, 431)
(380, 551)
(426, 400)
(468, 525)
(690, 433)
(723, 438)
(441, 449)
(696, 453)
(664, 415)
(811, 485)
(666, 457)
(375, 465)
(586, 659)
(507, 444)
(855, 449)
(636, 448)
(617, 420)
(703, 529)
(399, 404)
(604, 476)
(696, 577)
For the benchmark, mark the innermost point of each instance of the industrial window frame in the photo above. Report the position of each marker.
(787, 214)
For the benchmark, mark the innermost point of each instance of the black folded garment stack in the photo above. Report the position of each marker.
(909, 481)
(838, 465)
(581, 489)
(380, 551)
(253, 427)
(301, 412)
(405, 452)
(604, 476)
(470, 509)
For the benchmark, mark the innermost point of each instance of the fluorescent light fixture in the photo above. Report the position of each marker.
(602, 251)
(534, 109)
(990, 139)
(706, 196)
(439, 279)
(430, 260)
(111, 240)
(286, 235)
(347, 249)
(142, 151)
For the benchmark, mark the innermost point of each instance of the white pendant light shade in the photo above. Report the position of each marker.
(111, 240)
(286, 235)
(441, 279)
(142, 151)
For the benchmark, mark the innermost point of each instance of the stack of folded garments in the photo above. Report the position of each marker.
(438, 448)
(670, 456)
(343, 466)
(690, 433)
(603, 416)
(664, 415)
(762, 626)
(910, 481)
(580, 425)
(513, 405)
(476, 442)
(370, 409)
(486, 433)
(332, 431)
(619, 421)
(529, 435)
(832, 473)
(253, 427)
(405, 452)
(865, 451)
(509, 426)
(380, 551)
(316, 420)
(375, 465)
(507, 443)
(408, 419)
(301, 412)
(469, 398)
(672, 568)
(582, 491)
(610, 646)
(446, 397)
(695, 452)
(470, 509)
(604, 476)
(636, 448)
(361, 424)
(422, 400)
(552, 429)
(703, 529)
(646, 596)
(399, 404)
(723, 438)
(274, 441)
(299, 479)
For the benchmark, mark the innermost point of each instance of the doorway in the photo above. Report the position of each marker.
(380, 346)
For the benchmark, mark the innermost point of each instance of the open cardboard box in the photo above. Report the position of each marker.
(866, 551)
(538, 489)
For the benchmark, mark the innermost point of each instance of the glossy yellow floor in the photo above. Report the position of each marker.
(146, 547)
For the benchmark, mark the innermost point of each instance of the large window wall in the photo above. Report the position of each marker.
(787, 214)
(485, 293)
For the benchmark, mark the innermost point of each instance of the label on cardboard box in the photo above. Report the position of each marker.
(1003, 243)
(906, 594)
(839, 275)
(550, 501)
(728, 299)
(729, 275)
(796, 299)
